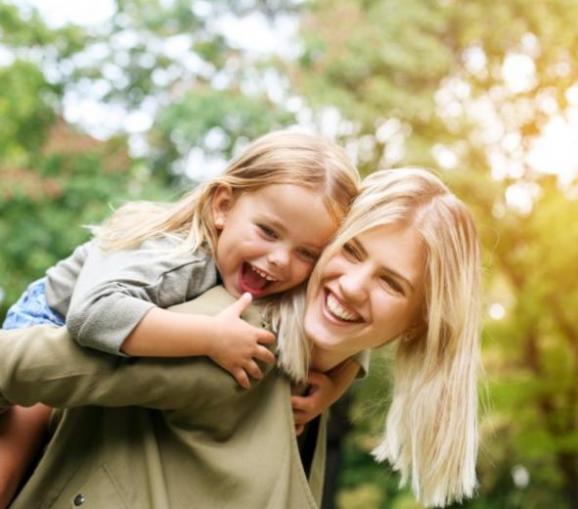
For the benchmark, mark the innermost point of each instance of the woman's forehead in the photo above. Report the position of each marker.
(395, 248)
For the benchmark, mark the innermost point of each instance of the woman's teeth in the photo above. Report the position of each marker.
(337, 310)
(263, 274)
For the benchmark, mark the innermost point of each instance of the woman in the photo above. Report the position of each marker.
(405, 266)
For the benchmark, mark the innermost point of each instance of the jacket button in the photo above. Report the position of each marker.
(79, 499)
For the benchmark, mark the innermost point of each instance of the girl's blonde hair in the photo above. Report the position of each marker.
(431, 433)
(281, 157)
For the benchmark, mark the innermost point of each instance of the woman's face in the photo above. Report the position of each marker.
(369, 292)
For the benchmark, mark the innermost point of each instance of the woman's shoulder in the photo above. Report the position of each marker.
(217, 298)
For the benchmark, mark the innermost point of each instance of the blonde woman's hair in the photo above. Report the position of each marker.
(431, 434)
(286, 315)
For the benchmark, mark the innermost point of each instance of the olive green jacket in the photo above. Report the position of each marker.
(201, 442)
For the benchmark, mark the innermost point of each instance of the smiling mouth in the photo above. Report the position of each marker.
(255, 280)
(338, 311)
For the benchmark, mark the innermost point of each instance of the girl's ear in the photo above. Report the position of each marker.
(221, 205)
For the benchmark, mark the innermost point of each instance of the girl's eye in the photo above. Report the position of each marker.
(350, 251)
(267, 231)
(309, 256)
(393, 284)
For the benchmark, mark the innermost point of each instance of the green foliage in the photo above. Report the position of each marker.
(404, 77)
(234, 117)
(43, 211)
(55, 179)
(404, 74)
(24, 108)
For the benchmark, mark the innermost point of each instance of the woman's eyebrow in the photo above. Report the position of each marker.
(358, 245)
(397, 275)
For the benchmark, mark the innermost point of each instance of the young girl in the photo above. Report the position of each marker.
(258, 229)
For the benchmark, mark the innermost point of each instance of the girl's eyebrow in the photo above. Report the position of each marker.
(272, 220)
(387, 270)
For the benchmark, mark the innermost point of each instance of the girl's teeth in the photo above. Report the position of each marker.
(264, 275)
(338, 310)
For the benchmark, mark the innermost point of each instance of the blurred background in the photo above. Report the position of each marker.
(104, 102)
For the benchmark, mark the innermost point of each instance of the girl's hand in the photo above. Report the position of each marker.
(238, 345)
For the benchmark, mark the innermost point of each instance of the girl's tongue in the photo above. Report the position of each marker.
(251, 280)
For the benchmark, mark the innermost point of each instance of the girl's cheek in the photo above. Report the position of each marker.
(303, 271)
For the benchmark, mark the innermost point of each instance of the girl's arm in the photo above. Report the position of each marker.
(22, 433)
(115, 290)
(324, 390)
(227, 339)
(119, 306)
(44, 364)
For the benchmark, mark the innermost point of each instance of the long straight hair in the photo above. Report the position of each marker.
(430, 434)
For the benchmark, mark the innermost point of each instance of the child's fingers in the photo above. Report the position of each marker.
(253, 370)
(265, 337)
(242, 303)
(263, 354)
(242, 378)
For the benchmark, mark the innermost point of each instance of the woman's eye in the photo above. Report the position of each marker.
(393, 284)
(350, 251)
(267, 231)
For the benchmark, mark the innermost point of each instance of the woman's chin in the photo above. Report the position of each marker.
(319, 337)
(311, 330)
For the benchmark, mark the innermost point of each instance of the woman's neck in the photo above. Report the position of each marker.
(325, 360)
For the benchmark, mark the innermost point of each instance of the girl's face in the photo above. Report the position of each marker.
(269, 239)
(369, 292)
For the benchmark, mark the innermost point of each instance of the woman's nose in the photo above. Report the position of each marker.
(354, 284)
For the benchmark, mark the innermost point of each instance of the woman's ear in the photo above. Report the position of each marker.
(415, 331)
(221, 205)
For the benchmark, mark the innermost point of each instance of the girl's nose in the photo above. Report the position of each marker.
(279, 258)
